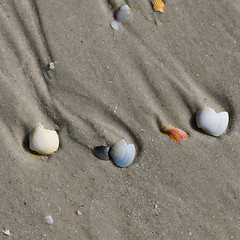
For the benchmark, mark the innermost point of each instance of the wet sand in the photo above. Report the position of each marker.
(157, 70)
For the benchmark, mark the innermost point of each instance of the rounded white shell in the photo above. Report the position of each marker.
(211, 122)
(115, 25)
(48, 219)
(122, 153)
(123, 13)
(43, 141)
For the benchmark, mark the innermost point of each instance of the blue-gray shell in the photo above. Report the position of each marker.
(123, 13)
(122, 153)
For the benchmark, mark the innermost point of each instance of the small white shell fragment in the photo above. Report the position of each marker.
(123, 13)
(43, 141)
(6, 232)
(115, 25)
(211, 122)
(51, 66)
(48, 219)
(122, 153)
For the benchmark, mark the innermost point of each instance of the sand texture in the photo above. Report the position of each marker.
(156, 70)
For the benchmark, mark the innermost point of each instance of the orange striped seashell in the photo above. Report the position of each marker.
(175, 133)
(158, 5)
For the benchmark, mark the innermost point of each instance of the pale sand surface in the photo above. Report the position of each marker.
(109, 85)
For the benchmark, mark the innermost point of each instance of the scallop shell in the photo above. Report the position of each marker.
(123, 13)
(48, 219)
(158, 5)
(211, 122)
(122, 153)
(43, 141)
(175, 133)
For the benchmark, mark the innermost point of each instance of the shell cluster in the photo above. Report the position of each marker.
(207, 119)
(121, 153)
(211, 122)
(43, 141)
(122, 14)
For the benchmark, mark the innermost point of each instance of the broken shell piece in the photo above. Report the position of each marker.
(6, 232)
(51, 66)
(121, 153)
(43, 141)
(48, 219)
(101, 152)
(78, 212)
(123, 13)
(175, 133)
(211, 122)
(158, 5)
(115, 25)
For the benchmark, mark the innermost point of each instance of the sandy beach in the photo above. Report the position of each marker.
(157, 70)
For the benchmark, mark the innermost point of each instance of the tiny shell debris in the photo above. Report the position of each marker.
(158, 5)
(51, 66)
(175, 134)
(48, 219)
(6, 232)
(78, 212)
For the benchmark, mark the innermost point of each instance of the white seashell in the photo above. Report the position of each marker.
(122, 153)
(48, 219)
(123, 13)
(115, 25)
(6, 232)
(43, 141)
(211, 122)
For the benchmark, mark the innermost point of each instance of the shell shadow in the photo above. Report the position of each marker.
(159, 124)
(227, 104)
(232, 116)
(193, 123)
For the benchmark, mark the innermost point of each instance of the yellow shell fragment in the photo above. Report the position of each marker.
(158, 5)
(43, 141)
